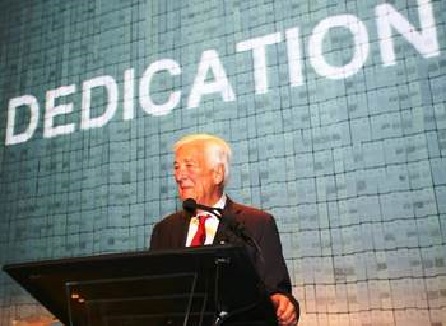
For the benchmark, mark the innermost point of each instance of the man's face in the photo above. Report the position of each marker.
(194, 176)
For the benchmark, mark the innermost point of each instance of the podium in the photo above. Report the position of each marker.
(205, 286)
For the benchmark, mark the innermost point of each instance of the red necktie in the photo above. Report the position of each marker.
(200, 235)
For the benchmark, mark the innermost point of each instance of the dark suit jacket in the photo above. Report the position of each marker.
(171, 232)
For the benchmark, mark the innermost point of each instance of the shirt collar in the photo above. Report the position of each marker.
(221, 203)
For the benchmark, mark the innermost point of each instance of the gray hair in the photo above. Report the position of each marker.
(217, 150)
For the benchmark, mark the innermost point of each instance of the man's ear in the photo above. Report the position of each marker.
(219, 174)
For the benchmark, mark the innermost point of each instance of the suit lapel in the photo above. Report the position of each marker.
(183, 229)
(228, 210)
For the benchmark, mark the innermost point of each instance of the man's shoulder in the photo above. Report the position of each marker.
(170, 219)
(250, 211)
(256, 220)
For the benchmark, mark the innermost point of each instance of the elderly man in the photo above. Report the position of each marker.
(201, 172)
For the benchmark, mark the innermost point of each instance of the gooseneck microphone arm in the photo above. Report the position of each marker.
(191, 206)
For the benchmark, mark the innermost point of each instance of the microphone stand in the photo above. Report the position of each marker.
(190, 206)
(221, 314)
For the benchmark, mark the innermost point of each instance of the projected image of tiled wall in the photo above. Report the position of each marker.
(335, 110)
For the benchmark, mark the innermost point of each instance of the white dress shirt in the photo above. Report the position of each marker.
(211, 224)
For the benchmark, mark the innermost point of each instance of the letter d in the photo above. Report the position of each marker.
(25, 100)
